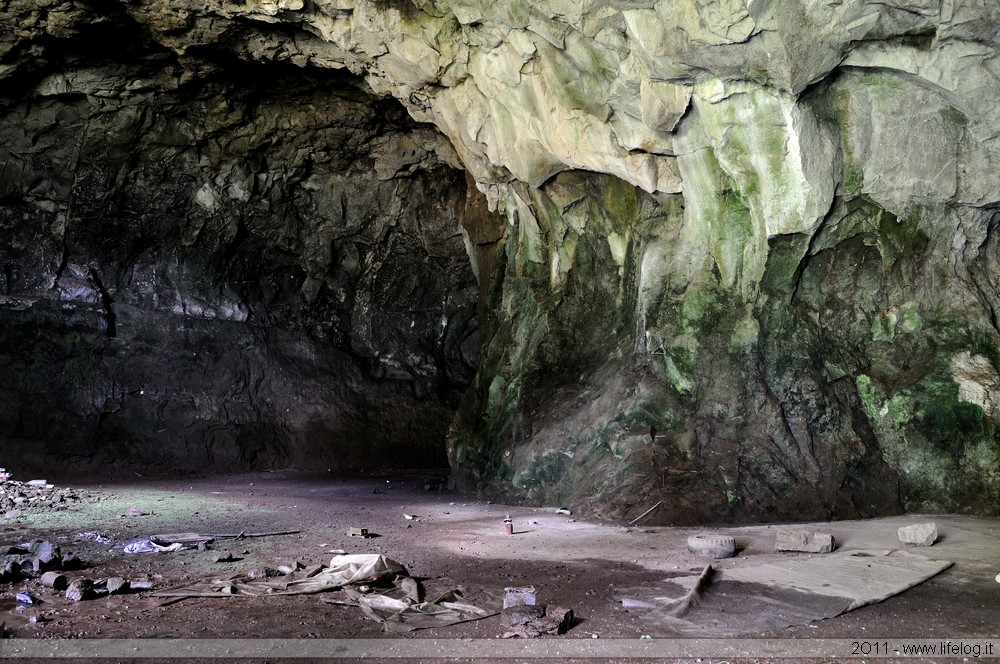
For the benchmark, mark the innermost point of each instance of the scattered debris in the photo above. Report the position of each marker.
(563, 510)
(17, 498)
(80, 590)
(525, 619)
(148, 545)
(680, 606)
(54, 580)
(399, 607)
(94, 536)
(524, 595)
(776, 595)
(803, 540)
(26, 598)
(381, 587)
(712, 546)
(434, 485)
(410, 517)
(359, 532)
(644, 514)
(921, 534)
(243, 535)
(224, 557)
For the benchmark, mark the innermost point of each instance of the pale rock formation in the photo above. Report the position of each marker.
(765, 229)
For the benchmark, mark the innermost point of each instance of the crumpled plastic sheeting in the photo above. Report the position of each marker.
(796, 591)
(399, 607)
(164, 543)
(297, 579)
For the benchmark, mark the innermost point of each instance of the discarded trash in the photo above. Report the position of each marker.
(997, 578)
(409, 517)
(518, 596)
(921, 534)
(630, 603)
(399, 608)
(146, 545)
(563, 510)
(712, 546)
(526, 619)
(140, 585)
(776, 595)
(803, 540)
(36, 483)
(54, 580)
(165, 543)
(94, 536)
(245, 535)
(359, 532)
(508, 525)
(528, 622)
(26, 598)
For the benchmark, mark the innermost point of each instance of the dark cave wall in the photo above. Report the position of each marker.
(216, 265)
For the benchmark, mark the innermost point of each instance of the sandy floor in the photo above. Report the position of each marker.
(572, 562)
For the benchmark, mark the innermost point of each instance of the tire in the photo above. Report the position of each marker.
(712, 546)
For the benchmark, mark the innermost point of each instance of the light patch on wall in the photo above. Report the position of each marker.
(978, 381)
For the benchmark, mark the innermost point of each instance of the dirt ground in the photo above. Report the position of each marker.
(574, 563)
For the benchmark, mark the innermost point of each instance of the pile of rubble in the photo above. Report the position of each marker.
(35, 496)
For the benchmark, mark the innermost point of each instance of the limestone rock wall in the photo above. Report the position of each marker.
(748, 263)
(219, 265)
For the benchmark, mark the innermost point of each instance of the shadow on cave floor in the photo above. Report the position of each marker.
(573, 563)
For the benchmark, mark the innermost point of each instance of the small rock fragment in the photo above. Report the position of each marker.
(224, 557)
(920, 534)
(803, 540)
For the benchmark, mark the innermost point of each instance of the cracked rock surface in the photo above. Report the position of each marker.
(743, 260)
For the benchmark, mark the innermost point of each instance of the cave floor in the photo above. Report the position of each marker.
(572, 562)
